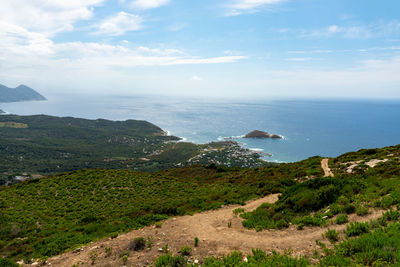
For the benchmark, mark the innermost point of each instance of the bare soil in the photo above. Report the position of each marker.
(327, 171)
(216, 238)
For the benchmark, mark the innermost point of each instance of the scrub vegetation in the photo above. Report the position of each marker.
(40, 145)
(42, 217)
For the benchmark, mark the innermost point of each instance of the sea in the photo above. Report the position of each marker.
(310, 127)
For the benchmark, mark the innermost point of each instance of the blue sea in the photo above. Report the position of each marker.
(309, 127)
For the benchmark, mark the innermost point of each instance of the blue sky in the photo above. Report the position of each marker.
(228, 48)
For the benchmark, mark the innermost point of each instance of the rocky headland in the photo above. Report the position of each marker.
(261, 134)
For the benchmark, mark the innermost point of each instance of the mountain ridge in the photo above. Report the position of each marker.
(18, 94)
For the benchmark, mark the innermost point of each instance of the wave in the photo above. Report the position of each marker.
(256, 149)
(183, 139)
(222, 138)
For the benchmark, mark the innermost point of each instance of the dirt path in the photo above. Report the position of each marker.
(216, 238)
(325, 167)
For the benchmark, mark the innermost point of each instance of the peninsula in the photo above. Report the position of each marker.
(20, 93)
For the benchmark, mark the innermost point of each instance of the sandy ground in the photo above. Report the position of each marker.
(325, 167)
(216, 238)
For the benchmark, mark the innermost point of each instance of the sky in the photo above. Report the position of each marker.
(209, 48)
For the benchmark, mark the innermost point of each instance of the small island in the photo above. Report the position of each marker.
(261, 134)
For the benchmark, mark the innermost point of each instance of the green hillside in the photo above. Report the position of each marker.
(44, 217)
(43, 145)
(364, 188)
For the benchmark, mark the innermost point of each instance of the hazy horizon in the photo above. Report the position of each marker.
(266, 49)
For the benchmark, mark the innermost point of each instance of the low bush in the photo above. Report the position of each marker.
(315, 220)
(332, 235)
(238, 211)
(342, 219)
(378, 248)
(387, 202)
(7, 263)
(391, 215)
(356, 229)
(349, 208)
(185, 251)
(139, 243)
(362, 210)
(168, 260)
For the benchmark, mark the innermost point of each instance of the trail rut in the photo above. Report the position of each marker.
(325, 166)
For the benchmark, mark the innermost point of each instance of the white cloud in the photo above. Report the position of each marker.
(237, 7)
(372, 78)
(19, 45)
(298, 59)
(176, 27)
(120, 24)
(47, 17)
(361, 31)
(17, 40)
(147, 4)
(196, 78)
(351, 32)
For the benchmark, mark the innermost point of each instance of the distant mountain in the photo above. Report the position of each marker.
(1, 111)
(20, 93)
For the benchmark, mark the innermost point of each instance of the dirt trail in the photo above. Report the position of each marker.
(325, 167)
(216, 238)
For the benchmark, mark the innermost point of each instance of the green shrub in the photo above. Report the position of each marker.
(387, 202)
(334, 260)
(139, 243)
(259, 258)
(238, 211)
(259, 228)
(185, 251)
(315, 220)
(124, 253)
(7, 263)
(391, 215)
(356, 229)
(378, 248)
(282, 224)
(342, 200)
(149, 243)
(114, 235)
(196, 241)
(168, 260)
(342, 219)
(362, 210)
(124, 259)
(349, 208)
(332, 235)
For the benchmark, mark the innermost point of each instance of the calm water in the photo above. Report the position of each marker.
(326, 128)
